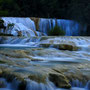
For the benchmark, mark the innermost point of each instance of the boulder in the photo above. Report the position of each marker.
(61, 46)
(68, 47)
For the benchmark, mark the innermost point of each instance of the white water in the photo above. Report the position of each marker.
(27, 22)
(24, 26)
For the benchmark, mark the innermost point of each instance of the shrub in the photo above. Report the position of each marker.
(56, 31)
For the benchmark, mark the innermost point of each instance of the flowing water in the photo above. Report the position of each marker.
(32, 85)
(27, 27)
(50, 56)
(45, 51)
(71, 28)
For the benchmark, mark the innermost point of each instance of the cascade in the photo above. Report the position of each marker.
(22, 26)
(32, 85)
(23, 57)
(71, 28)
(27, 27)
(27, 22)
(82, 42)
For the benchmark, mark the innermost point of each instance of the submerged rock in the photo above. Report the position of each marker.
(59, 80)
(61, 46)
(38, 78)
(68, 47)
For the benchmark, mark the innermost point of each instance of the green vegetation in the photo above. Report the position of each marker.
(10, 25)
(56, 31)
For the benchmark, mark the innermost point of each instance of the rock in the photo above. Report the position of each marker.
(44, 38)
(38, 78)
(68, 47)
(36, 21)
(19, 33)
(61, 46)
(59, 80)
(45, 45)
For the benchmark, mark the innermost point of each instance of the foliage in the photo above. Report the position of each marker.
(11, 25)
(8, 8)
(56, 31)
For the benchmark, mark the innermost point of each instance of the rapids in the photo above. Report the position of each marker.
(43, 55)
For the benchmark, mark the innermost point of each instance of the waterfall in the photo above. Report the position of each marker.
(32, 85)
(22, 26)
(71, 28)
(27, 22)
(77, 83)
(26, 26)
